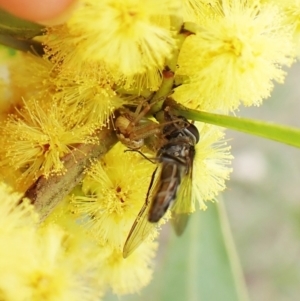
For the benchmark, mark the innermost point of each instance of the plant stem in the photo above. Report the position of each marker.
(45, 194)
(29, 45)
(170, 67)
(276, 132)
(233, 257)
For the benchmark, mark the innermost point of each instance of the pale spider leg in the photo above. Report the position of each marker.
(134, 127)
(141, 112)
(134, 118)
(151, 128)
(145, 130)
(139, 132)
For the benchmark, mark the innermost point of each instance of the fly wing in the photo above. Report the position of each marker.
(141, 227)
(183, 205)
(139, 231)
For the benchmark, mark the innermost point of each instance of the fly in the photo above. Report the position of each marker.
(171, 182)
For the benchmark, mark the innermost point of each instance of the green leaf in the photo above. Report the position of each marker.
(280, 133)
(200, 265)
(18, 28)
(17, 34)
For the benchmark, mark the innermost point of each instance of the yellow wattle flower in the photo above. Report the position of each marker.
(114, 192)
(211, 164)
(30, 76)
(234, 57)
(43, 264)
(130, 275)
(89, 92)
(39, 136)
(121, 34)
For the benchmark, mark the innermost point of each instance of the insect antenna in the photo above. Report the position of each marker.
(143, 155)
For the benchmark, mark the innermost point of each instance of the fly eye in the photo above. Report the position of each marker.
(194, 132)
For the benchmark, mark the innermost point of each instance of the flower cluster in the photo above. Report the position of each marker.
(217, 55)
(42, 263)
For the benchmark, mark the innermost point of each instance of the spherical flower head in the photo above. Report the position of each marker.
(90, 91)
(123, 276)
(43, 264)
(39, 136)
(46, 268)
(30, 76)
(122, 34)
(128, 276)
(234, 57)
(114, 192)
(211, 164)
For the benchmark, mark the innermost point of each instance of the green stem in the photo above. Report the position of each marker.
(280, 133)
(18, 34)
(231, 252)
(34, 47)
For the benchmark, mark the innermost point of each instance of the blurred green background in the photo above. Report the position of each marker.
(262, 201)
